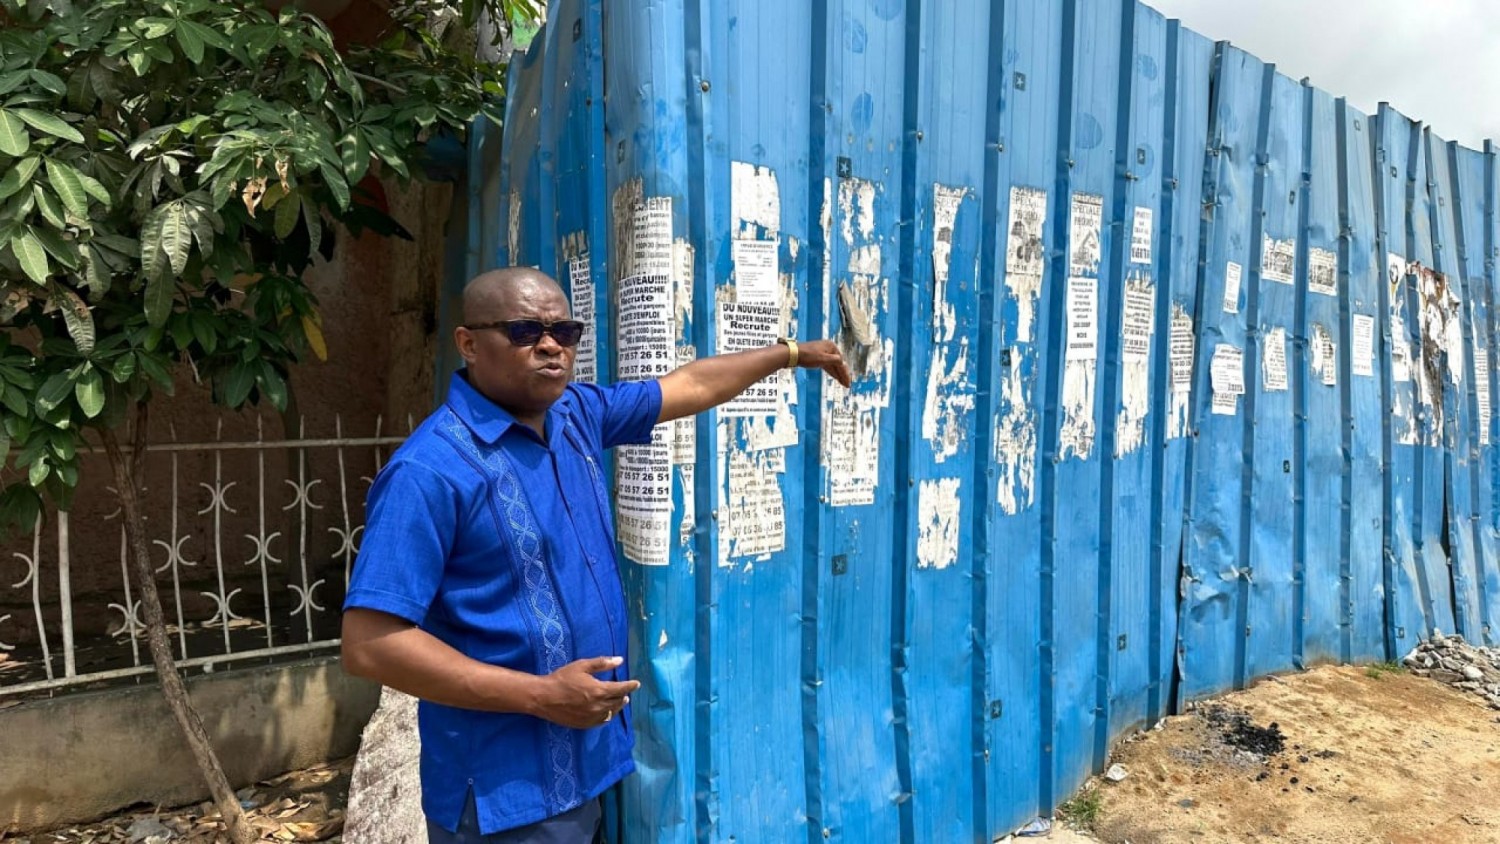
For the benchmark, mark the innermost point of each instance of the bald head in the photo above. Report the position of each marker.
(494, 295)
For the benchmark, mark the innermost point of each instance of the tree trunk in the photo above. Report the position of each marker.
(127, 482)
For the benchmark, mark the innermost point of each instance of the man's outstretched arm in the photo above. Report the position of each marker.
(710, 382)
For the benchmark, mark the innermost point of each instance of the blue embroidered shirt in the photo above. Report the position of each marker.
(501, 544)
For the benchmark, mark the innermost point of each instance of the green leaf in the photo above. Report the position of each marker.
(50, 81)
(124, 368)
(18, 176)
(81, 93)
(95, 271)
(52, 210)
(204, 333)
(192, 44)
(139, 61)
(49, 123)
(69, 187)
(336, 184)
(31, 255)
(90, 393)
(59, 247)
(286, 216)
(272, 385)
(154, 369)
(354, 151)
(14, 139)
(177, 236)
(95, 188)
(314, 221)
(12, 80)
(159, 292)
(54, 390)
(157, 27)
(16, 401)
(37, 475)
(77, 317)
(237, 385)
(208, 34)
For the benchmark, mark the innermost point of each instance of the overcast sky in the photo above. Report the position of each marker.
(1437, 61)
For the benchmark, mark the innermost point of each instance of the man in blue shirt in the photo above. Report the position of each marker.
(486, 583)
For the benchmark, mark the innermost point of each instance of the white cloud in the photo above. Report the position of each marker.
(1433, 60)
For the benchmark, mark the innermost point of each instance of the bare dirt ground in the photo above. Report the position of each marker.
(1369, 754)
(1332, 756)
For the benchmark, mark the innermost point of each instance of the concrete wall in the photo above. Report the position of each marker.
(82, 756)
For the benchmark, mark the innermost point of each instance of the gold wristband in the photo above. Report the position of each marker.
(791, 347)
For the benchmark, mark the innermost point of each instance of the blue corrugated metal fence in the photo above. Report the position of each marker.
(1173, 372)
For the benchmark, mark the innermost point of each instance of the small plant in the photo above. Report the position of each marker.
(1083, 809)
(1378, 670)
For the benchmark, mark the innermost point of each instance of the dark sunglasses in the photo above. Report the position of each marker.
(528, 332)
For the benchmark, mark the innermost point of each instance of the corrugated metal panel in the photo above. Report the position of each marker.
(920, 610)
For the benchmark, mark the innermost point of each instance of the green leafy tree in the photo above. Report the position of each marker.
(168, 170)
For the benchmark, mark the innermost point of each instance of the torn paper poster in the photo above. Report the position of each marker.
(1400, 350)
(851, 447)
(1278, 260)
(1227, 378)
(1324, 355)
(688, 492)
(682, 284)
(753, 523)
(754, 199)
(1274, 378)
(1138, 319)
(757, 278)
(645, 327)
(1140, 236)
(513, 230)
(950, 395)
(1225, 404)
(1015, 438)
(743, 326)
(1232, 274)
(1083, 319)
(1362, 347)
(938, 511)
(651, 252)
(1084, 247)
(581, 295)
(643, 498)
(1181, 351)
(1482, 393)
(1323, 271)
(1076, 437)
(1024, 253)
(1395, 278)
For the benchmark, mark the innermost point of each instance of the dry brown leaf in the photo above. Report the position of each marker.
(251, 195)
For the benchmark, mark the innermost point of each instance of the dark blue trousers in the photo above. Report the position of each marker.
(576, 826)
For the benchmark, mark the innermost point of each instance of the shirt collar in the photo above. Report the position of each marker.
(490, 421)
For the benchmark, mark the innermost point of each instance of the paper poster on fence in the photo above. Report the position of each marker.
(581, 297)
(755, 273)
(1482, 392)
(1274, 372)
(1140, 236)
(1137, 321)
(1323, 271)
(743, 326)
(1084, 247)
(1182, 351)
(1083, 319)
(1278, 260)
(1023, 246)
(1363, 347)
(1232, 273)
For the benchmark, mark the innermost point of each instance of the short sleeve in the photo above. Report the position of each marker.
(624, 413)
(409, 532)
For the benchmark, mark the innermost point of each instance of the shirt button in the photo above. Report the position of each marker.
(471, 780)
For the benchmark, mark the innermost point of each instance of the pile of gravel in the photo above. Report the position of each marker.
(1451, 660)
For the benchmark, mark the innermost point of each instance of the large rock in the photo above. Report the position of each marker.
(385, 790)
